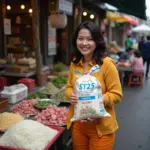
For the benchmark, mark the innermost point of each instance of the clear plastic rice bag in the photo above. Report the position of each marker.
(88, 90)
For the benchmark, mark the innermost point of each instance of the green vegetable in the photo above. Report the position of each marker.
(44, 103)
(60, 96)
(50, 89)
(59, 67)
(37, 95)
(59, 81)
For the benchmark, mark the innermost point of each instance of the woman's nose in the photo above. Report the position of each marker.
(84, 42)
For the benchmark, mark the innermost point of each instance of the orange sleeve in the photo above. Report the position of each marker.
(113, 94)
(69, 86)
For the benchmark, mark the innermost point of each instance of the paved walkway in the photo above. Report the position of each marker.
(133, 115)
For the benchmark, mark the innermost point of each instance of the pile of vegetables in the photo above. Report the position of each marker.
(43, 104)
(59, 81)
(60, 96)
(37, 95)
(59, 67)
(50, 89)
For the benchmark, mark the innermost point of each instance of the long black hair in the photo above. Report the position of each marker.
(96, 36)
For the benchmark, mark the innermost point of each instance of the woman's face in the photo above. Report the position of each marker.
(85, 44)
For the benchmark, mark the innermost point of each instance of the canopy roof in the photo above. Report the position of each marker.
(133, 7)
(141, 29)
(114, 16)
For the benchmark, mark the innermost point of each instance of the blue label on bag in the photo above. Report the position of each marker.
(86, 98)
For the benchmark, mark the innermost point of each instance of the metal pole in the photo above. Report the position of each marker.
(36, 40)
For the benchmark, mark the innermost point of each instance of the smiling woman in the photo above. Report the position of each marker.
(85, 44)
(92, 133)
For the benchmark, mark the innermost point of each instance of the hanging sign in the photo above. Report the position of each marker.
(51, 39)
(7, 26)
(65, 6)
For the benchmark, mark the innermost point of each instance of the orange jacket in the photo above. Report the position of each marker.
(111, 87)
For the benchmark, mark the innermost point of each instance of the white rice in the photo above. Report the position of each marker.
(28, 134)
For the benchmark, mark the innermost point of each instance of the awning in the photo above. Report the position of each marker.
(130, 20)
(114, 16)
(142, 29)
(133, 7)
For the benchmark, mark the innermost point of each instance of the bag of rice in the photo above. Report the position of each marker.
(88, 90)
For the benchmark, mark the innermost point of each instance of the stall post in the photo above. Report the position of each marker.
(36, 40)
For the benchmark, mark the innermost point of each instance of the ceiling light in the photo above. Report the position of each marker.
(84, 13)
(22, 6)
(92, 16)
(8, 7)
(30, 11)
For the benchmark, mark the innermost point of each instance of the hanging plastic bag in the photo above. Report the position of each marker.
(89, 93)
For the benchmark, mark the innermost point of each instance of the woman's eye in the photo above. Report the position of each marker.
(80, 39)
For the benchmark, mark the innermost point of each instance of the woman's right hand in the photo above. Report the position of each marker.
(73, 99)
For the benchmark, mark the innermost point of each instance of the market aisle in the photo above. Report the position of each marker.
(133, 115)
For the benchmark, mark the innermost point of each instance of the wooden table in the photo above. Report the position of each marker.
(121, 70)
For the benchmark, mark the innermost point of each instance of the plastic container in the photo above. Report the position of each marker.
(3, 82)
(30, 83)
(15, 93)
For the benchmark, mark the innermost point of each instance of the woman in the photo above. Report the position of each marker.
(137, 62)
(93, 134)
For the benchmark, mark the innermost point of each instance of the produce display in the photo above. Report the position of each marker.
(37, 95)
(59, 67)
(25, 107)
(59, 81)
(53, 115)
(27, 135)
(7, 120)
(44, 103)
(60, 96)
(50, 89)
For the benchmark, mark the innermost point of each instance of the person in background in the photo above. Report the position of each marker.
(128, 42)
(141, 43)
(105, 37)
(137, 62)
(93, 134)
(126, 56)
(113, 55)
(146, 55)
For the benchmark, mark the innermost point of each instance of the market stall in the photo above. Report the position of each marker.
(44, 107)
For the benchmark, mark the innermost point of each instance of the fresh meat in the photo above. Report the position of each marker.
(53, 115)
(25, 107)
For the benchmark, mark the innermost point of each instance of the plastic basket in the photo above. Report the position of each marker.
(30, 83)
(3, 82)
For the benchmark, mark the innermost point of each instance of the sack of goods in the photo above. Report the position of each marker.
(29, 135)
(88, 90)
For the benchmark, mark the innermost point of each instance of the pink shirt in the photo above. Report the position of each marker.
(138, 64)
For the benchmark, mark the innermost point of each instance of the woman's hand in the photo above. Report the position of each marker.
(73, 99)
(104, 98)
